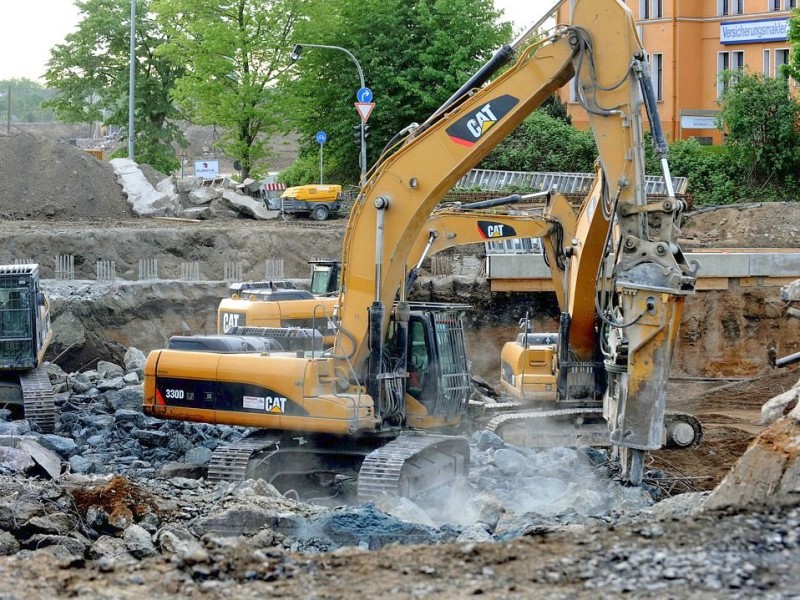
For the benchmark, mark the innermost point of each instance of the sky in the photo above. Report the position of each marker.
(32, 27)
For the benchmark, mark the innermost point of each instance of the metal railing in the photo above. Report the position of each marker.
(566, 183)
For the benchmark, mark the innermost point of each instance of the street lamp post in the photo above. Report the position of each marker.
(298, 49)
(131, 88)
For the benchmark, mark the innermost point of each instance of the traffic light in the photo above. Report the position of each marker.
(366, 131)
(357, 135)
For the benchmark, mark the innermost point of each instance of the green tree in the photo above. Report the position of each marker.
(237, 51)
(761, 118)
(414, 53)
(90, 72)
(792, 69)
(544, 143)
(27, 97)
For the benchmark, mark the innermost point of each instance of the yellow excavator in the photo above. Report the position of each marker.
(359, 408)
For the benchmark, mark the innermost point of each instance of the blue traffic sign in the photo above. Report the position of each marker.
(322, 137)
(364, 94)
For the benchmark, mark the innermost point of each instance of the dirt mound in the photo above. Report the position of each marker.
(768, 225)
(49, 180)
(731, 416)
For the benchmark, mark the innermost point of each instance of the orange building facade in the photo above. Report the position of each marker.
(689, 43)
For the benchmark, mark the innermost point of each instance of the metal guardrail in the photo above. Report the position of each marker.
(190, 271)
(273, 269)
(566, 183)
(65, 267)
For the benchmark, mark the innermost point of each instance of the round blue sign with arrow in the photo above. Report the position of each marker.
(322, 137)
(364, 94)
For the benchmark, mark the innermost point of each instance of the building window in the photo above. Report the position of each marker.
(781, 58)
(723, 64)
(775, 4)
(658, 75)
(737, 61)
(651, 9)
(766, 67)
(730, 7)
(791, 4)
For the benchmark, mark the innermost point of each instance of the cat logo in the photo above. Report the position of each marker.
(470, 128)
(492, 230)
(270, 404)
(230, 320)
(275, 404)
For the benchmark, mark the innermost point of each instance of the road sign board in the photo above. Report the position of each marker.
(364, 94)
(322, 137)
(365, 109)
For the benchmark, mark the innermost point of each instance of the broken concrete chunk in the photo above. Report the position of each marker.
(199, 212)
(776, 407)
(247, 206)
(203, 195)
(791, 292)
(15, 460)
(47, 459)
(144, 199)
(138, 542)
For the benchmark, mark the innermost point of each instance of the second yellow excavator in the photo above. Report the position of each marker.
(358, 408)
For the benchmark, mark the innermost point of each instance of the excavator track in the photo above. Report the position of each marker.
(682, 430)
(538, 428)
(230, 462)
(37, 398)
(412, 464)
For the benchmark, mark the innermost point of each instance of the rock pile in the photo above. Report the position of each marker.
(116, 485)
(190, 197)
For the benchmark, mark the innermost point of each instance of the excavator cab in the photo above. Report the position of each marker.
(438, 383)
(326, 276)
(24, 318)
(25, 334)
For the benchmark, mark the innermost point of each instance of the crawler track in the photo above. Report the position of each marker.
(230, 462)
(412, 464)
(37, 398)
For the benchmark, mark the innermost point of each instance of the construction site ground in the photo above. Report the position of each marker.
(56, 200)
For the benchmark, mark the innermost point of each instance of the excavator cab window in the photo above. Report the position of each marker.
(452, 362)
(418, 359)
(16, 314)
(438, 375)
(16, 339)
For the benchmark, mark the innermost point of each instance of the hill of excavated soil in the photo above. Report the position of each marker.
(49, 180)
(767, 225)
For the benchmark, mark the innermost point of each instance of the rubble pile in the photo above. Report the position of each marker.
(115, 484)
(188, 198)
(127, 492)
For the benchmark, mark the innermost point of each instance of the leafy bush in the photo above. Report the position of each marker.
(761, 118)
(305, 170)
(543, 143)
(712, 176)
